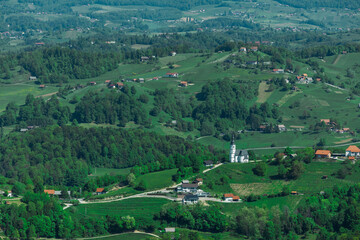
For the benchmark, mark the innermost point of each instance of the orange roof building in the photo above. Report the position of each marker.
(99, 190)
(50, 191)
(236, 198)
(323, 154)
(326, 121)
(183, 84)
(353, 148)
(352, 151)
(228, 195)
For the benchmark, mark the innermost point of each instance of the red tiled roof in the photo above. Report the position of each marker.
(322, 152)
(353, 148)
(351, 158)
(50, 192)
(228, 195)
(236, 198)
(326, 121)
(99, 190)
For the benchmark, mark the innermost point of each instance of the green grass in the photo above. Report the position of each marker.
(139, 208)
(242, 181)
(17, 93)
(157, 180)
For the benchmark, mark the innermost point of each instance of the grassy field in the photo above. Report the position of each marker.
(157, 180)
(139, 208)
(243, 182)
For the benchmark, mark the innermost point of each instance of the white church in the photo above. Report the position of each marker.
(238, 156)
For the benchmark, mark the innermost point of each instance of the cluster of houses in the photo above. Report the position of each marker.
(304, 79)
(118, 85)
(351, 153)
(333, 125)
(189, 193)
(245, 50)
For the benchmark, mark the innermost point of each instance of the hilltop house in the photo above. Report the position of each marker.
(322, 154)
(352, 151)
(238, 156)
(242, 49)
(254, 49)
(32, 78)
(172, 53)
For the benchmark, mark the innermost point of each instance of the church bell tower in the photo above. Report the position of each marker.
(232, 150)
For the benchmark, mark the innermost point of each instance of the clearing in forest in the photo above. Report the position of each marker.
(263, 95)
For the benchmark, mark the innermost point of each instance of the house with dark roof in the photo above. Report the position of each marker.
(190, 199)
(209, 163)
(188, 187)
(243, 155)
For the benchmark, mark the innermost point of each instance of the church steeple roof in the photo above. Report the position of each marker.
(233, 140)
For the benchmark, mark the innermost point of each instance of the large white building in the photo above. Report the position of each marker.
(238, 156)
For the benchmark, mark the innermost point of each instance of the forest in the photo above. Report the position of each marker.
(58, 64)
(65, 155)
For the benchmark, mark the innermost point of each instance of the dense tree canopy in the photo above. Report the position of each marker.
(65, 155)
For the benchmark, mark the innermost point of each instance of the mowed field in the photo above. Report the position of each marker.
(139, 208)
(157, 180)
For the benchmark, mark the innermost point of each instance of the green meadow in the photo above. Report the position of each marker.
(242, 180)
(139, 208)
